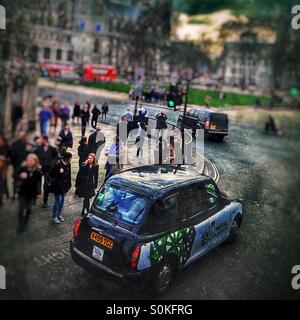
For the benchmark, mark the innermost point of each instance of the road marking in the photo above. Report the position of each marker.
(51, 257)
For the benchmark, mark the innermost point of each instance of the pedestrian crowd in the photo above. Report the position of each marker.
(151, 94)
(40, 168)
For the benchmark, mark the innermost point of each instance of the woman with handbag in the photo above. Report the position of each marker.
(87, 181)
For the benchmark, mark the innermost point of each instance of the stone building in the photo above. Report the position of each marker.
(101, 31)
(112, 32)
(247, 63)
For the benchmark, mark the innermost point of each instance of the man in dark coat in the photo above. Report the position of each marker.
(96, 142)
(16, 116)
(104, 110)
(61, 176)
(83, 150)
(95, 114)
(47, 156)
(161, 121)
(29, 180)
(66, 137)
(19, 151)
(76, 111)
(85, 117)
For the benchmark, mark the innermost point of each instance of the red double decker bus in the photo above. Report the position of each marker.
(99, 72)
(58, 70)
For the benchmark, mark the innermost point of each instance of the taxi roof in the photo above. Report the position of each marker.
(159, 179)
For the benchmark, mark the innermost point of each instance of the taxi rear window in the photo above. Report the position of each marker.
(120, 205)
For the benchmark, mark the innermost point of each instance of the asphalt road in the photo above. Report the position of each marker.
(262, 170)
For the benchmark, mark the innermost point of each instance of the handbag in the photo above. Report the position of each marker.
(49, 181)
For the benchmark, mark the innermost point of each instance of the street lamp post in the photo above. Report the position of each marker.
(184, 116)
(136, 105)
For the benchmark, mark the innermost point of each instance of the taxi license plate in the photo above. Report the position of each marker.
(98, 253)
(102, 240)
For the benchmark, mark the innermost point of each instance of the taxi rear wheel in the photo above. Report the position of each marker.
(234, 232)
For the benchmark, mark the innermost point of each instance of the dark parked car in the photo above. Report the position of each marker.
(215, 124)
(147, 223)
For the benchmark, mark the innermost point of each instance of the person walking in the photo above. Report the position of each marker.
(161, 123)
(129, 118)
(56, 114)
(16, 116)
(128, 115)
(104, 111)
(96, 142)
(47, 156)
(95, 114)
(61, 184)
(140, 138)
(142, 113)
(3, 181)
(65, 114)
(45, 117)
(87, 181)
(19, 151)
(66, 137)
(5, 154)
(29, 182)
(83, 150)
(85, 117)
(122, 130)
(60, 149)
(76, 112)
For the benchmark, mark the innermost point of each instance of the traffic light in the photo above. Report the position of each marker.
(171, 104)
(174, 97)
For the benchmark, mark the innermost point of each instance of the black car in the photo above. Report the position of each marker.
(147, 223)
(215, 124)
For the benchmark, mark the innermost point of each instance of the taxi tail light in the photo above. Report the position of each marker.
(135, 257)
(76, 228)
(207, 124)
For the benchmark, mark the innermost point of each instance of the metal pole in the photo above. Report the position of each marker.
(136, 105)
(183, 118)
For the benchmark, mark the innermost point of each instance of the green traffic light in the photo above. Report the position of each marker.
(171, 104)
(294, 92)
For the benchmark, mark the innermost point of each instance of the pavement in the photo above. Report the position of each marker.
(261, 169)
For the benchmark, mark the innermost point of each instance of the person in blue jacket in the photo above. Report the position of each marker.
(45, 117)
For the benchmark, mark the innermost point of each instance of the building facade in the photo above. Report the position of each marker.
(104, 32)
(247, 63)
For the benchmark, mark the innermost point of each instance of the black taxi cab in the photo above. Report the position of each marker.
(150, 222)
(214, 124)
